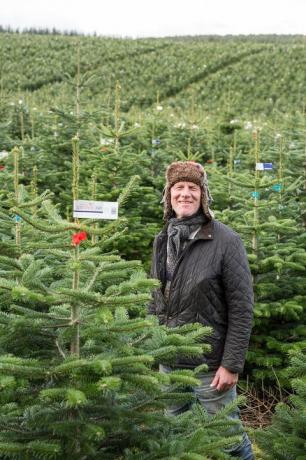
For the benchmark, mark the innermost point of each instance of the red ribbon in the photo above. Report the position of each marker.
(78, 237)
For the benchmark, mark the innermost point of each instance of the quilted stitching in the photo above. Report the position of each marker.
(212, 285)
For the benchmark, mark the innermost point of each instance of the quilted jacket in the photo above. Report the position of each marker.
(211, 285)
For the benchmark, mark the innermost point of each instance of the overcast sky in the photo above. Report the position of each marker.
(140, 18)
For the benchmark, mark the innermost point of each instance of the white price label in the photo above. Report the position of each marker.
(3, 154)
(264, 166)
(87, 209)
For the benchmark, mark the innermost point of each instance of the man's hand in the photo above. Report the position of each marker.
(224, 379)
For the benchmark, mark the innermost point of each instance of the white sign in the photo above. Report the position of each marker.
(264, 166)
(3, 154)
(87, 209)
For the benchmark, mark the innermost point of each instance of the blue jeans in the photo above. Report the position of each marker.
(213, 400)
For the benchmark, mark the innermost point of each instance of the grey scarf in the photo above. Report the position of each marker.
(179, 231)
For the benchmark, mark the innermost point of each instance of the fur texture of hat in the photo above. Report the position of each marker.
(186, 171)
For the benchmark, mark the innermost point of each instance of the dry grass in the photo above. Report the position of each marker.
(258, 410)
(260, 404)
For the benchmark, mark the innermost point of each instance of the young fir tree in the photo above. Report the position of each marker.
(113, 150)
(78, 363)
(121, 150)
(286, 437)
(263, 206)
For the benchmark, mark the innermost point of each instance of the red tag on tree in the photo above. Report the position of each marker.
(78, 237)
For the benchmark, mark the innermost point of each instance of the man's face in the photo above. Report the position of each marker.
(185, 198)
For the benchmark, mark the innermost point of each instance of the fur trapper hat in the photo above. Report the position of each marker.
(186, 171)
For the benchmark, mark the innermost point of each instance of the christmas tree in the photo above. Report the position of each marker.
(262, 203)
(78, 363)
(285, 438)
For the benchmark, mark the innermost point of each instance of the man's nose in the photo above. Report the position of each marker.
(186, 191)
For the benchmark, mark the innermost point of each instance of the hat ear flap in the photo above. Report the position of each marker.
(206, 189)
(168, 211)
(206, 198)
(163, 194)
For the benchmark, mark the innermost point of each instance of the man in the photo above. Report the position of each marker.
(205, 278)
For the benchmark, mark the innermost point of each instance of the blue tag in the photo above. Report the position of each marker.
(255, 194)
(264, 166)
(155, 141)
(17, 218)
(277, 187)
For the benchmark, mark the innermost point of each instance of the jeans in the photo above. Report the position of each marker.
(213, 400)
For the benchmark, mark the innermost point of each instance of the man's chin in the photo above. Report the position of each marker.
(184, 214)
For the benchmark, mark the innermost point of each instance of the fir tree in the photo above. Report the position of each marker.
(285, 438)
(78, 364)
(264, 207)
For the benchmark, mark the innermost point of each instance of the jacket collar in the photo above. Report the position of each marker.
(206, 232)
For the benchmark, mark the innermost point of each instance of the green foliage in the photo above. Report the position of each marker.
(78, 355)
(140, 105)
(285, 438)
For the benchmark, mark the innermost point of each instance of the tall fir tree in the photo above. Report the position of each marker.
(78, 363)
(264, 207)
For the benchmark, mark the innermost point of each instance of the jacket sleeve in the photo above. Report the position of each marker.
(237, 282)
